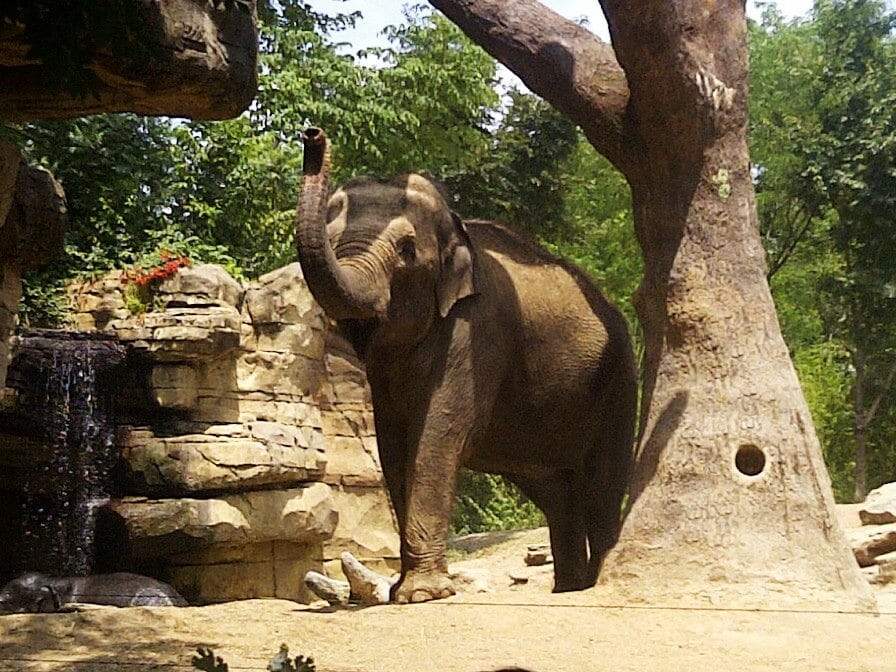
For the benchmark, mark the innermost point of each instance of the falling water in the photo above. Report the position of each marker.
(74, 410)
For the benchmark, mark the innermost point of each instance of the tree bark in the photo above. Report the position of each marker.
(730, 501)
(860, 427)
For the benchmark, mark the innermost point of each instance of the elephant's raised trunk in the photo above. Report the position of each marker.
(340, 295)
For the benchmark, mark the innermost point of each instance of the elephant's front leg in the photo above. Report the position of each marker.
(429, 491)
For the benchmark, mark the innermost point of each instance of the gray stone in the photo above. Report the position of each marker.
(880, 506)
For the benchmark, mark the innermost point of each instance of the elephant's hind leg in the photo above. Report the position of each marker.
(558, 497)
(609, 470)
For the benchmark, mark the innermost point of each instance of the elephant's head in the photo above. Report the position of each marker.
(385, 250)
(28, 593)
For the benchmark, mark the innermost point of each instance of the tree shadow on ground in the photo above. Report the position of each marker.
(93, 641)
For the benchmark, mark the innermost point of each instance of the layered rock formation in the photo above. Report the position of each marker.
(874, 542)
(33, 221)
(196, 59)
(247, 436)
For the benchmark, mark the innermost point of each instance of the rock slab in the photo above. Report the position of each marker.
(880, 506)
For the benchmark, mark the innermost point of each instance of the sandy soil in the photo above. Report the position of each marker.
(523, 625)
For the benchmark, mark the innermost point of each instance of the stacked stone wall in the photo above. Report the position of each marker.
(247, 438)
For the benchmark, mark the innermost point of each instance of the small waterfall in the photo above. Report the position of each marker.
(68, 395)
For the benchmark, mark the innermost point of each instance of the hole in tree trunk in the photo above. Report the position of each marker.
(749, 460)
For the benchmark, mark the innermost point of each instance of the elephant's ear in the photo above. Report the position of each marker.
(456, 277)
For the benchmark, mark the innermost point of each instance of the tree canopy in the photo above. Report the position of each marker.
(824, 141)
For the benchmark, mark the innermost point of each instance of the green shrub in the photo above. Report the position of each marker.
(487, 502)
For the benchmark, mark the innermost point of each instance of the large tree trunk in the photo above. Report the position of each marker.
(730, 502)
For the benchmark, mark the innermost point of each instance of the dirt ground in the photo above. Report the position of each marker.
(522, 625)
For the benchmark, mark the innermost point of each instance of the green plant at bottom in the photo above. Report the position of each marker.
(207, 661)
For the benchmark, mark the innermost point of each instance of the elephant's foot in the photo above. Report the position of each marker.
(422, 587)
(568, 585)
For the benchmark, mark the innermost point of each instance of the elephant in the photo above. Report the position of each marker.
(483, 351)
(38, 593)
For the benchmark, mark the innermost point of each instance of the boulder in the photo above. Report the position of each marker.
(237, 395)
(10, 292)
(194, 463)
(880, 506)
(174, 386)
(538, 555)
(181, 334)
(201, 63)
(10, 157)
(158, 528)
(33, 233)
(283, 297)
(366, 528)
(869, 542)
(201, 285)
(268, 569)
(99, 300)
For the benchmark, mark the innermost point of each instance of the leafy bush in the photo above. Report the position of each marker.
(489, 502)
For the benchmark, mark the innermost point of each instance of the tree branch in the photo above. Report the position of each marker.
(567, 65)
(869, 416)
(795, 239)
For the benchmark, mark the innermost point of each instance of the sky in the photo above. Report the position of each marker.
(381, 13)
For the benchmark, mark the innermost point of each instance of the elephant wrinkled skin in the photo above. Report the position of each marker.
(482, 350)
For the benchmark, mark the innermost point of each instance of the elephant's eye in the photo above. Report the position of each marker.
(407, 250)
